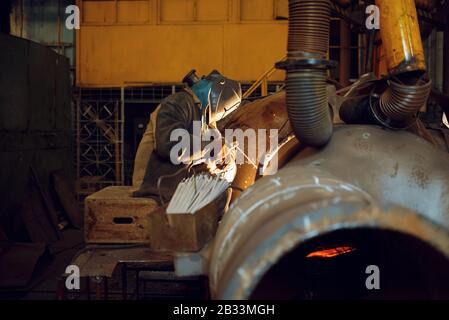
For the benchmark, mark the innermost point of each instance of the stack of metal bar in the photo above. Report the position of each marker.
(195, 192)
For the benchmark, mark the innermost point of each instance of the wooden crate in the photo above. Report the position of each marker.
(183, 232)
(113, 216)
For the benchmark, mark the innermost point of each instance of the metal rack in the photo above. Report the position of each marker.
(99, 140)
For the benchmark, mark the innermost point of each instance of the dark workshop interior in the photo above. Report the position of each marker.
(352, 204)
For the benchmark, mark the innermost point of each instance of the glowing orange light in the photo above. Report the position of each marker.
(330, 253)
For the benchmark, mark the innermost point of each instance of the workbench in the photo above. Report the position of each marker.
(98, 262)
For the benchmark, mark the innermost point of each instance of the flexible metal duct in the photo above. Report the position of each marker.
(308, 29)
(400, 103)
(405, 58)
(392, 104)
(392, 210)
(395, 106)
(308, 43)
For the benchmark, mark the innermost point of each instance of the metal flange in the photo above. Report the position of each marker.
(306, 63)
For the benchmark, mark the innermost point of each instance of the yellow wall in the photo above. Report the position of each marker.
(123, 42)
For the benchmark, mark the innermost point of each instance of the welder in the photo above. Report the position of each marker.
(206, 101)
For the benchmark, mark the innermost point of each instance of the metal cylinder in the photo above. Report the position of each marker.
(268, 113)
(401, 37)
(391, 192)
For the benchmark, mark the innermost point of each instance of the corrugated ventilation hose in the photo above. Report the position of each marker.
(306, 65)
(308, 29)
(401, 102)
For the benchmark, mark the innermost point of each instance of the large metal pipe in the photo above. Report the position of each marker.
(308, 44)
(358, 183)
(267, 113)
(401, 36)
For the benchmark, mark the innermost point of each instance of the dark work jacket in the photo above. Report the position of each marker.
(177, 111)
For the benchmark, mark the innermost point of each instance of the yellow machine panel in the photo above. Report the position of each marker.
(126, 42)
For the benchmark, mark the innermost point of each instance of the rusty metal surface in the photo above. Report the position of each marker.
(366, 177)
(267, 113)
(394, 167)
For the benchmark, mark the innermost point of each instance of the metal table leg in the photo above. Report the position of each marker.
(137, 285)
(124, 281)
(61, 294)
(105, 288)
(88, 287)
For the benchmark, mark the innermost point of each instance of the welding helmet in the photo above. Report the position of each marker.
(219, 95)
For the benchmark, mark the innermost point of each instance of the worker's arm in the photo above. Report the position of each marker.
(176, 112)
